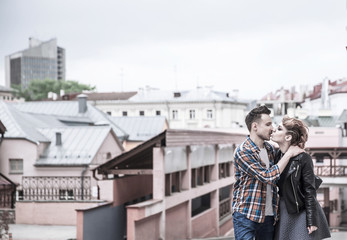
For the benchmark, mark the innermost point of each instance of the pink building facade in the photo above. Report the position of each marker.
(178, 185)
(50, 161)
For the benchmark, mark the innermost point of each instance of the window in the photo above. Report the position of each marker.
(173, 183)
(191, 114)
(201, 204)
(224, 202)
(157, 113)
(65, 194)
(200, 176)
(177, 94)
(224, 170)
(124, 113)
(174, 114)
(194, 178)
(209, 114)
(16, 165)
(207, 174)
(142, 113)
(319, 159)
(20, 195)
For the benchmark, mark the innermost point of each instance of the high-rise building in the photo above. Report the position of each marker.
(42, 60)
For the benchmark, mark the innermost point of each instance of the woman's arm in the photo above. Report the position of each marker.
(309, 191)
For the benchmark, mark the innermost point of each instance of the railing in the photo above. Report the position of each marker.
(224, 208)
(331, 171)
(55, 188)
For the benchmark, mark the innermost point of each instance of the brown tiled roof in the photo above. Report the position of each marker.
(110, 95)
(288, 95)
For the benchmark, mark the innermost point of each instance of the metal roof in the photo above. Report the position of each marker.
(343, 116)
(6, 89)
(141, 128)
(19, 125)
(68, 112)
(79, 145)
(195, 95)
(318, 121)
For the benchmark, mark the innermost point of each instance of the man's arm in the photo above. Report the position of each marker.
(249, 164)
(291, 152)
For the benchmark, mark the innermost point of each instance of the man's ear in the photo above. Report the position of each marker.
(288, 138)
(254, 126)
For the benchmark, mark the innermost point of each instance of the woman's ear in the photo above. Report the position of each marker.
(288, 138)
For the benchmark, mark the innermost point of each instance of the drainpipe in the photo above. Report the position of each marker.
(82, 182)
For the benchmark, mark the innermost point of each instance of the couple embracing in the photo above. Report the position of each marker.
(274, 193)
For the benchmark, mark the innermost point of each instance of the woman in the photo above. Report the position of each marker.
(301, 217)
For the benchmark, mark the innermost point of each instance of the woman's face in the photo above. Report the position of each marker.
(278, 134)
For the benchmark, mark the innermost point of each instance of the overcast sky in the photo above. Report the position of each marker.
(250, 45)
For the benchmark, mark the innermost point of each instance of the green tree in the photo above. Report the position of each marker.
(39, 89)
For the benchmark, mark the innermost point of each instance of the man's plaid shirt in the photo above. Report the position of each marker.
(252, 176)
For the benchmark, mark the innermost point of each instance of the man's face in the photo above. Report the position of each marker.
(264, 127)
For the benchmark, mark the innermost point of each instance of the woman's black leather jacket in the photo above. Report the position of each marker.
(298, 187)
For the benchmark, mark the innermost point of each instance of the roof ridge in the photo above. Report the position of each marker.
(12, 119)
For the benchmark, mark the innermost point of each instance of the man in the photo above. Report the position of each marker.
(255, 198)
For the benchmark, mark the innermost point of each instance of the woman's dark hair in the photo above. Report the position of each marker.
(297, 129)
(255, 114)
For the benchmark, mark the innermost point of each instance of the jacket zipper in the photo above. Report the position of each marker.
(296, 200)
(297, 170)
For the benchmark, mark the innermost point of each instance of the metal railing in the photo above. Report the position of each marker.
(224, 208)
(55, 188)
(331, 171)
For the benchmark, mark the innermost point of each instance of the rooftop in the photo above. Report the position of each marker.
(141, 128)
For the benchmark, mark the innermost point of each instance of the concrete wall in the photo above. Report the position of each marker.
(109, 145)
(324, 137)
(130, 188)
(49, 213)
(104, 222)
(177, 220)
(204, 224)
(20, 149)
(226, 226)
(148, 228)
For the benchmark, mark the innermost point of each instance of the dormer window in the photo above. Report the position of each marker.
(177, 94)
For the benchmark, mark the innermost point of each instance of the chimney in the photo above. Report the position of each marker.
(82, 103)
(58, 139)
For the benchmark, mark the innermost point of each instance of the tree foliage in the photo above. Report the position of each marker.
(39, 89)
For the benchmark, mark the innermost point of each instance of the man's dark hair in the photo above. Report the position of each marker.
(255, 114)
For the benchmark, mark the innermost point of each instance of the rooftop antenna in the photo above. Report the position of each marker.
(175, 76)
(121, 79)
(197, 82)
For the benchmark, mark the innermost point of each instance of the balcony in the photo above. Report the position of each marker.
(331, 171)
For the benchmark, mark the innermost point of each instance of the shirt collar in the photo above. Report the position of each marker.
(255, 148)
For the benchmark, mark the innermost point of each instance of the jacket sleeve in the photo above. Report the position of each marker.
(247, 163)
(309, 190)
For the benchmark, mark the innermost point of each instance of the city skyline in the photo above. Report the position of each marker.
(255, 47)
